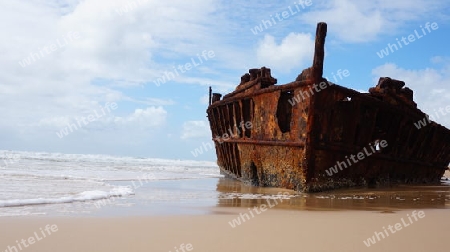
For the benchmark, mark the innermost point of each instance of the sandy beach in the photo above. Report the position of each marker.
(226, 215)
(272, 230)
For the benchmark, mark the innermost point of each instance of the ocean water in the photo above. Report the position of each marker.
(37, 183)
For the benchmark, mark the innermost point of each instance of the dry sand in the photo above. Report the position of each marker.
(273, 230)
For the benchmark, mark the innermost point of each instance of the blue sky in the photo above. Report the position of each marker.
(65, 60)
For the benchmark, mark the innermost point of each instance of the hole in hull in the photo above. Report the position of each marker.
(284, 112)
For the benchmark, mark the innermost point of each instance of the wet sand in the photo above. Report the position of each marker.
(399, 197)
(197, 196)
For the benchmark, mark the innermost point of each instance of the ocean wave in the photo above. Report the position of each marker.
(84, 196)
(99, 158)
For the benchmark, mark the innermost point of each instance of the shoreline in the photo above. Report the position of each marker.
(197, 196)
(226, 215)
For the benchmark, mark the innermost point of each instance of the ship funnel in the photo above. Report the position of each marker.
(319, 51)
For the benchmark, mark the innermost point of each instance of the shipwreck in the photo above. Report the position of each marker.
(313, 135)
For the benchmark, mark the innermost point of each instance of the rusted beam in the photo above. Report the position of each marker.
(372, 101)
(319, 51)
(210, 95)
(263, 142)
(353, 150)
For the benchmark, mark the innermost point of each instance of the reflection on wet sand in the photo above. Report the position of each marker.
(236, 194)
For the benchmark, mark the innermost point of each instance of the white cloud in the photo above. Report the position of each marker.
(294, 51)
(361, 21)
(195, 129)
(430, 86)
(143, 118)
(111, 47)
(112, 53)
(139, 119)
(348, 21)
(152, 101)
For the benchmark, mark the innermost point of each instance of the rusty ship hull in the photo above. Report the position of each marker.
(299, 135)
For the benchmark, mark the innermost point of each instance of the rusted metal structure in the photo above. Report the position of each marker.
(299, 135)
